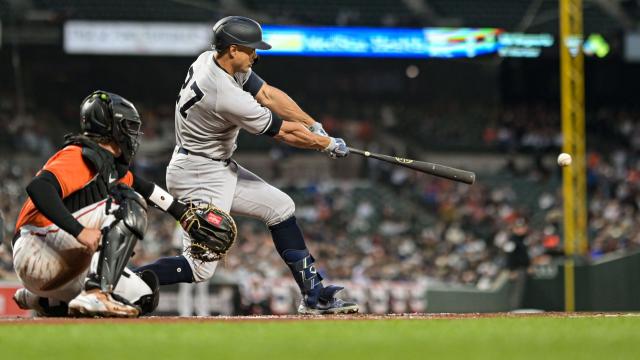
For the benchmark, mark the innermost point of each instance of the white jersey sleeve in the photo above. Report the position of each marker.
(240, 108)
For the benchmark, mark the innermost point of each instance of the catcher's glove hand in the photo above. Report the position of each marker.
(212, 231)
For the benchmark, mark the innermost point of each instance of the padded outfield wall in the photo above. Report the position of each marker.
(610, 284)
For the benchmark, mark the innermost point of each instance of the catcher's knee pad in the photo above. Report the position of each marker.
(132, 211)
(119, 238)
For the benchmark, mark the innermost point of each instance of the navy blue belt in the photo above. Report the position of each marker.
(184, 151)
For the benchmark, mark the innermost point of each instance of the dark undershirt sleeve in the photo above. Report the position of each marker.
(142, 186)
(46, 193)
(274, 127)
(145, 188)
(177, 209)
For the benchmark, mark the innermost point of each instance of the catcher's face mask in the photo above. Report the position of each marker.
(126, 130)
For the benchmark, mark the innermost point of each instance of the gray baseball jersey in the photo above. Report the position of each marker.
(212, 108)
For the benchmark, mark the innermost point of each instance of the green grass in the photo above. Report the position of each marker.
(485, 338)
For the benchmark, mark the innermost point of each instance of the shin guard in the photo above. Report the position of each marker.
(119, 239)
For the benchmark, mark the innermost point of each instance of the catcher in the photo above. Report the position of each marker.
(86, 211)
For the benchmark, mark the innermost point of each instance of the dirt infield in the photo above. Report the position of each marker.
(270, 318)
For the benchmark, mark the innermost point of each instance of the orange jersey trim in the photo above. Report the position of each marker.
(72, 172)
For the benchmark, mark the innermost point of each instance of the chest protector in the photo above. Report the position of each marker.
(107, 168)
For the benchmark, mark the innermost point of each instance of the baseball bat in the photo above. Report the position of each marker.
(446, 172)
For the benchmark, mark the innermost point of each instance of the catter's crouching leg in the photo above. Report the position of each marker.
(141, 289)
(52, 268)
(316, 299)
(42, 306)
(118, 240)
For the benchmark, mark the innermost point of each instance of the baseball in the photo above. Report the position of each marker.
(564, 159)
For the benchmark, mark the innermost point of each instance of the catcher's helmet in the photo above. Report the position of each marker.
(107, 115)
(238, 30)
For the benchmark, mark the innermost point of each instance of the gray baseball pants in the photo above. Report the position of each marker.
(228, 186)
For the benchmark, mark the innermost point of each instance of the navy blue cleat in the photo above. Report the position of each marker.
(316, 299)
(322, 301)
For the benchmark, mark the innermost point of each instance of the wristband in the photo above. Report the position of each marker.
(161, 198)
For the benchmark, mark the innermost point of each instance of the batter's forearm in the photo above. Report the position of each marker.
(297, 135)
(282, 104)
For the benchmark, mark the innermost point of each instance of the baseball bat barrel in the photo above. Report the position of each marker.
(446, 172)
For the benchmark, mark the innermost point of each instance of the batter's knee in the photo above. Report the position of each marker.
(282, 209)
(202, 271)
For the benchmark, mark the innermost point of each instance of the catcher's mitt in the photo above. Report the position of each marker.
(212, 231)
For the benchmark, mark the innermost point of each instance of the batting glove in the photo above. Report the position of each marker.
(337, 148)
(316, 128)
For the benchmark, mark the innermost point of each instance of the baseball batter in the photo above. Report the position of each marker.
(220, 96)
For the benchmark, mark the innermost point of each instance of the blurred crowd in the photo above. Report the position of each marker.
(394, 225)
(405, 226)
(531, 128)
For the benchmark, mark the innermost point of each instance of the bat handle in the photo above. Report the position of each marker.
(359, 152)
